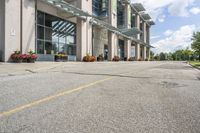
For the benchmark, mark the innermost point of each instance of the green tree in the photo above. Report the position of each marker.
(196, 43)
(152, 55)
(162, 56)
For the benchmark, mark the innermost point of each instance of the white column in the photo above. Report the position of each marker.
(144, 52)
(112, 37)
(127, 45)
(149, 53)
(137, 51)
(28, 26)
(144, 32)
(84, 31)
(138, 25)
(12, 27)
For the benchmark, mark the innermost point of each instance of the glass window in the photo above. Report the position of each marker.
(40, 47)
(40, 18)
(70, 39)
(40, 32)
(48, 47)
(51, 21)
(71, 50)
(48, 34)
(55, 47)
(55, 35)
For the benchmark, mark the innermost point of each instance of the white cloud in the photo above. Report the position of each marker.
(168, 32)
(161, 18)
(154, 37)
(176, 40)
(175, 7)
(195, 10)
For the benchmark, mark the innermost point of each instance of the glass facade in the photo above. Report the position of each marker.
(100, 7)
(120, 14)
(55, 35)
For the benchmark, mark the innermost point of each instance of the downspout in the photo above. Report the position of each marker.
(21, 24)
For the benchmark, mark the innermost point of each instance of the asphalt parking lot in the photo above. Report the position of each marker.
(104, 97)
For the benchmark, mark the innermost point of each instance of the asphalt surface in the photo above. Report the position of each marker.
(124, 97)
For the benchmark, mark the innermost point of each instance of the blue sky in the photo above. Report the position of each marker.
(176, 20)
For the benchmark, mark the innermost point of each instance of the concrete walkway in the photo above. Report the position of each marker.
(11, 69)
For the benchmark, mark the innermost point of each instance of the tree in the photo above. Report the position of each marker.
(152, 55)
(196, 43)
(162, 56)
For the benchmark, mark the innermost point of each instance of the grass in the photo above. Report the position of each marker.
(195, 64)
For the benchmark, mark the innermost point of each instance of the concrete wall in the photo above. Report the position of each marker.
(28, 26)
(12, 27)
(2, 29)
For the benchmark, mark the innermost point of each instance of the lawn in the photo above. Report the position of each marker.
(195, 63)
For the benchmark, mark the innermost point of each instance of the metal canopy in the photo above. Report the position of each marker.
(125, 1)
(123, 33)
(151, 22)
(131, 32)
(138, 6)
(145, 16)
(61, 4)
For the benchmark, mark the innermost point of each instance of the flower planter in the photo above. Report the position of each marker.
(62, 58)
(17, 60)
(30, 60)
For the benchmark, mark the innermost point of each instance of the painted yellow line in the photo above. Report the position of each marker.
(34, 103)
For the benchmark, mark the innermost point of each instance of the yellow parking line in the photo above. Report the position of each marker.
(37, 102)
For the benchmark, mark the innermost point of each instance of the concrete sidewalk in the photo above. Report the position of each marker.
(11, 69)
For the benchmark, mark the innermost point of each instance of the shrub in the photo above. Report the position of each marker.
(89, 58)
(146, 59)
(131, 59)
(100, 57)
(116, 58)
(18, 57)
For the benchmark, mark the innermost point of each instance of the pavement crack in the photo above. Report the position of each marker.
(31, 71)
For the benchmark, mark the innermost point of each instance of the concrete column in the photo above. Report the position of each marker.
(112, 37)
(149, 54)
(28, 22)
(2, 30)
(12, 27)
(127, 48)
(138, 24)
(144, 32)
(112, 45)
(128, 25)
(144, 52)
(84, 31)
(137, 51)
(148, 34)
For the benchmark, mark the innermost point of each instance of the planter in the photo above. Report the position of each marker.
(17, 60)
(30, 60)
(61, 58)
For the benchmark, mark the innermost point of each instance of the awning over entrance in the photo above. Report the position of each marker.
(64, 6)
(127, 33)
(131, 32)
(138, 7)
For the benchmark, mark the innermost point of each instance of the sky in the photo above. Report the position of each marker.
(176, 21)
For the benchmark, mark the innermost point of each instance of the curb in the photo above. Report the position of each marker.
(198, 68)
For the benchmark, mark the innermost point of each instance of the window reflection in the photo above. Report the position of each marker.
(55, 35)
